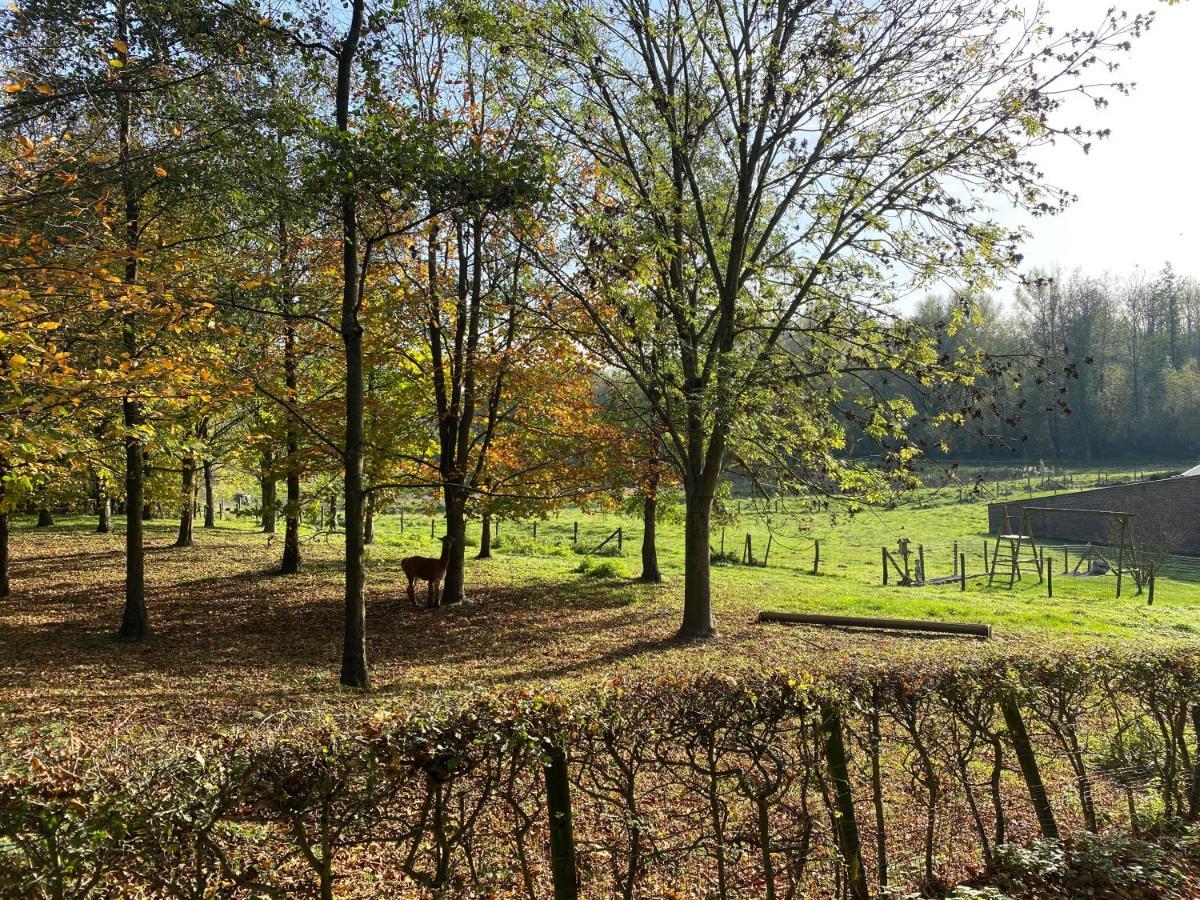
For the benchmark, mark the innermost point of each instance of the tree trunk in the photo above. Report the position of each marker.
(270, 497)
(454, 589)
(485, 538)
(147, 507)
(697, 589)
(103, 507)
(185, 513)
(135, 621)
(4, 585)
(210, 512)
(650, 572)
(354, 639)
(290, 564)
(103, 515)
(45, 518)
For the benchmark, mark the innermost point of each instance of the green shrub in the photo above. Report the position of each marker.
(606, 569)
(728, 558)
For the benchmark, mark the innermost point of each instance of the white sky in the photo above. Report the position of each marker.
(1139, 190)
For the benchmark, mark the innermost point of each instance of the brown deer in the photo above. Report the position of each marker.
(427, 569)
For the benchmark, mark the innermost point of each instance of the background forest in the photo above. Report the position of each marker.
(1130, 345)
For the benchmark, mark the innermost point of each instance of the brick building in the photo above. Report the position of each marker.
(1165, 514)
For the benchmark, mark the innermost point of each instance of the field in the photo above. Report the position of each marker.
(235, 643)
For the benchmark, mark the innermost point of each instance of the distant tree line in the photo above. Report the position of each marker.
(1105, 367)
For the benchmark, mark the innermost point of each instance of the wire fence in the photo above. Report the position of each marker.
(1062, 570)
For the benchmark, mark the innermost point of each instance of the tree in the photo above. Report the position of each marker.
(122, 87)
(790, 167)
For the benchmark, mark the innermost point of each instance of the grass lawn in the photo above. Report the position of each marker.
(235, 644)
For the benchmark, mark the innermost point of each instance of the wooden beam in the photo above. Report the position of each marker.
(960, 628)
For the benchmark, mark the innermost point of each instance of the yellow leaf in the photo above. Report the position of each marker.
(43, 89)
(116, 64)
(14, 87)
(120, 46)
(48, 326)
(160, 171)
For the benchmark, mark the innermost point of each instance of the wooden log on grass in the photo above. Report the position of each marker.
(969, 629)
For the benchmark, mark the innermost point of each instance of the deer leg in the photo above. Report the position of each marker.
(412, 592)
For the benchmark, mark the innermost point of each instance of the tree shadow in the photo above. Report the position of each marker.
(241, 636)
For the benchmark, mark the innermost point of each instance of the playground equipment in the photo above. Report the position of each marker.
(1016, 542)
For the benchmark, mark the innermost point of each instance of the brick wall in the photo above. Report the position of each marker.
(1166, 514)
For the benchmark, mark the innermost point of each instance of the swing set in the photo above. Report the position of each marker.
(1020, 547)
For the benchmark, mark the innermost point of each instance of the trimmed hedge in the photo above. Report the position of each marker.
(903, 778)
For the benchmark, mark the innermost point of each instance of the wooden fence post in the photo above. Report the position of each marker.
(562, 835)
(402, 521)
(431, 521)
(962, 572)
(767, 555)
(620, 539)
(920, 563)
(1049, 582)
(817, 557)
(956, 557)
(575, 536)
(535, 529)
(1150, 602)
(847, 824)
(1029, 767)
(1120, 564)
(883, 556)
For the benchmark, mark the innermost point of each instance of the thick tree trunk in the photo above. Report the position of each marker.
(185, 513)
(270, 496)
(354, 647)
(354, 639)
(485, 538)
(697, 588)
(45, 518)
(135, 621)
(4, 585)
(210, 511)
(103, 515)
(290, 564)
(456, 527)
(650, 571)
